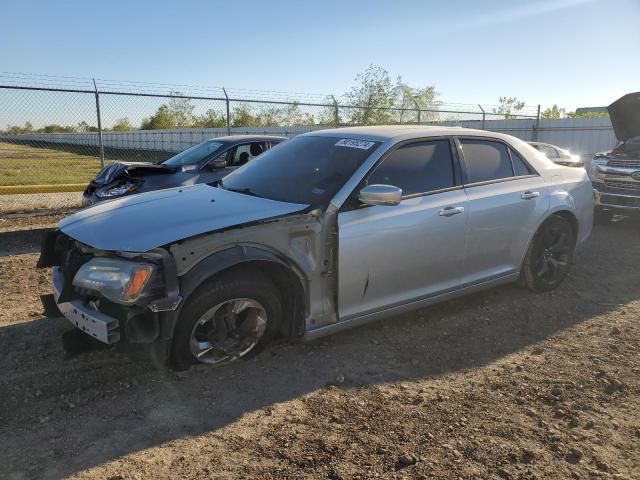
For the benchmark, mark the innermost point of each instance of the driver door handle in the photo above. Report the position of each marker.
(448, 211)
(528, 195)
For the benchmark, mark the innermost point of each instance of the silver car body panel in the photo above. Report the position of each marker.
(139, 223)
(359, 265)
(390, 255)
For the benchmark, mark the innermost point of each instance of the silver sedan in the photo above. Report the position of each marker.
(329, 230)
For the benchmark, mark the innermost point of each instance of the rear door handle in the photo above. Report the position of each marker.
(528, 195)
(448, 211)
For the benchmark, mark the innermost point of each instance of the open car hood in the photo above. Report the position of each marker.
(139, 223)
(625, 116)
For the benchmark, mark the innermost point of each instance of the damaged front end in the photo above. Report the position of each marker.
(119, 179)
(110, 295)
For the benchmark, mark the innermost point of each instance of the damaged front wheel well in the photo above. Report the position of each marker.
(290, 288)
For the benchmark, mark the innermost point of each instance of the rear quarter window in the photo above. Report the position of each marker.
(520, 167)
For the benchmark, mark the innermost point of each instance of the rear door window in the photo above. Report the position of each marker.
(485, 160)
(417, 168)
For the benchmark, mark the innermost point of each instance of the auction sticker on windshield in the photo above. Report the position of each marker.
(351, 143)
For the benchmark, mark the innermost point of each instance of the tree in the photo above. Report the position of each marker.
(588, 115)
(409, 98)
(268, 117)
(210, 119)
(178, 113)
(373, 95)
(160, 120)
(292, 115)
(242, 117)
(122, 125)
(509, 107)
(552, 113)
(17, 130)
(55, 128)
(85, 127)
(181, 110)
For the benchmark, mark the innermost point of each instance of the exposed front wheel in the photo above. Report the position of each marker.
(547, 260)
(228, 318)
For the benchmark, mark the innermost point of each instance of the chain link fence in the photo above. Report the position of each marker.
(57, 132)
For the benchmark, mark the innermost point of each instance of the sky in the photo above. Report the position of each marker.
(569, 52)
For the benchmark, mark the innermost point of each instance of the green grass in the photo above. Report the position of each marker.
(27, 165)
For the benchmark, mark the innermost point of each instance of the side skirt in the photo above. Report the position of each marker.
(311, 335)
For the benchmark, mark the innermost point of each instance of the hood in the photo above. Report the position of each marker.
(114, 171)
(142, 222)
(625, 116)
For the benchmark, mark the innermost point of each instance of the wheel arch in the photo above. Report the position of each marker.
(285, 275)
(560, 212)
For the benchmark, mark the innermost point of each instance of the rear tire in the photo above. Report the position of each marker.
(549, 255)
(229, 317)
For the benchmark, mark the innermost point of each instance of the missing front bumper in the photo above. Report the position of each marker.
(94, 323)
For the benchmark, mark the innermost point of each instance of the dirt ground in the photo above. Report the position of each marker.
(502, 384)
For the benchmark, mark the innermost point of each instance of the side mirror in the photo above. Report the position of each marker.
(380, 195)
(218, 163)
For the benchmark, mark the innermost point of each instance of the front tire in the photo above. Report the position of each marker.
(229, 317)
(549, 256)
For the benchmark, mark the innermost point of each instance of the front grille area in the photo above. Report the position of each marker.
(624, 163)
(615, 200)
(624, 185)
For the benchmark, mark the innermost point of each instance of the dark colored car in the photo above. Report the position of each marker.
(205, 162)
(615, 174)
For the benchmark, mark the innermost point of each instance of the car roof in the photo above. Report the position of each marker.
(396, 133)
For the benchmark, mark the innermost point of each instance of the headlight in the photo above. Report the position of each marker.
(116, 191)
(118, 280)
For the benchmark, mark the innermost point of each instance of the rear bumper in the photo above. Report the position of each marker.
(100, 326)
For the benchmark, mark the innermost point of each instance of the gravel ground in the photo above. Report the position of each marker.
(503, 384)
(29, 202)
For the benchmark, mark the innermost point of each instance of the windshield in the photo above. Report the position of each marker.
(193, 155)
(305, 169)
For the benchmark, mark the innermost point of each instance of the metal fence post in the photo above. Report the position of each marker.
(336, 112)
(483, 116)
(228, 115)
(535, 135)
(418, 109)
(100, 141)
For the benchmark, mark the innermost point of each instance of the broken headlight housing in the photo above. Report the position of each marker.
(118, 280)
(116, 191)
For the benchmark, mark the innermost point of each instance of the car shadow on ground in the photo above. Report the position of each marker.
(64, 415)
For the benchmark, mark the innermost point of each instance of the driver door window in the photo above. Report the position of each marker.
(417, 168)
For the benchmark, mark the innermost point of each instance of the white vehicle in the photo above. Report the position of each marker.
(558, 155)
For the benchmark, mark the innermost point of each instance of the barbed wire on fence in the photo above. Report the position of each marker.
(56, 132)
